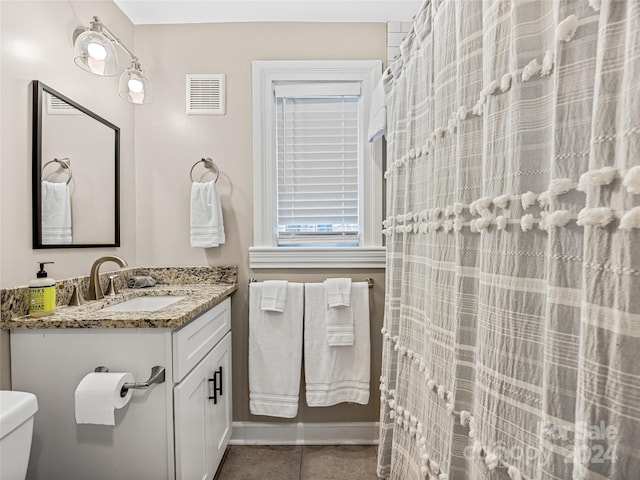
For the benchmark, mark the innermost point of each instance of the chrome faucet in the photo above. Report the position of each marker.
(95, 290)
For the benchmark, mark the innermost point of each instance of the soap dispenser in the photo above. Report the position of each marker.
(42, 294)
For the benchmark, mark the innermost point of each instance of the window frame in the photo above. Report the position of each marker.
(265, 253)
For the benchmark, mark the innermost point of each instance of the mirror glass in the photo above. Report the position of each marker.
(76, 162)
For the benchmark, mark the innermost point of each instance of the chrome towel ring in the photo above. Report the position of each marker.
(64, 163)
(209, 164)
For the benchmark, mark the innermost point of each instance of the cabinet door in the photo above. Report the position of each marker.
(222, 408)
(202, 414)
(193, 417)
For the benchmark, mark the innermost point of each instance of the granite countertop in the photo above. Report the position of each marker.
(199, 297)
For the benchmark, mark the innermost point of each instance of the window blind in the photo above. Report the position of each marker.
(317, 150)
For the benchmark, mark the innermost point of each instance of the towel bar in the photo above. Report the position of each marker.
(368, 280)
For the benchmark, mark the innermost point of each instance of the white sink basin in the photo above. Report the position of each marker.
(143, 304)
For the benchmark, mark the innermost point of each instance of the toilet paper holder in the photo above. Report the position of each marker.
(157, 376)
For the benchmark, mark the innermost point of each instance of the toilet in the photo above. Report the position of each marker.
(16, 428)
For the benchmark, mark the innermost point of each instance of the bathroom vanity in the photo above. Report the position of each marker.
(175, 429)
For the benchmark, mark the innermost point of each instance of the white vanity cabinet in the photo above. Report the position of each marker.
(172, 430)
(202, 408)
(202, 397)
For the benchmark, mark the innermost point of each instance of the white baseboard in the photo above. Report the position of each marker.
(335, 433)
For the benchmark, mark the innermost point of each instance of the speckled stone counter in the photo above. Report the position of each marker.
(202, 287)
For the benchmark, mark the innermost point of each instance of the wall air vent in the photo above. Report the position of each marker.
(206, 94)
(57, 106)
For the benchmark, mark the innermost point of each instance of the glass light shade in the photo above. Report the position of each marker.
(134, 86)
(96, 54)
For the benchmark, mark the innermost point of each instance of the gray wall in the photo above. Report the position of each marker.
(36, 44)
(168, 142)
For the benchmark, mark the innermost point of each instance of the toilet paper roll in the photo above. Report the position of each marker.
(98, 395)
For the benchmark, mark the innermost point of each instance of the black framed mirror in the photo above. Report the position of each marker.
(76, 174)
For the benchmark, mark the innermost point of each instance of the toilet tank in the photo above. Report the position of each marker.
(16, 428)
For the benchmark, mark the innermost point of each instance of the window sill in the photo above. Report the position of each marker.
(304, 257)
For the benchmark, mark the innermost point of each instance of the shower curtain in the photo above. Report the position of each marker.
(512, 317)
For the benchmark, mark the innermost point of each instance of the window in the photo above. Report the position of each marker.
(317, 182)
(317, 162)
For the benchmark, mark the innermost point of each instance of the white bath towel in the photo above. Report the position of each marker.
(56, 213)
(275, 354)
(274, 295)
(339, 312)
(378, 113)
(207, 228)
(336, 374)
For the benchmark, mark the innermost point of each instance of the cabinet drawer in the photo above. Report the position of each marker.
(193, 342)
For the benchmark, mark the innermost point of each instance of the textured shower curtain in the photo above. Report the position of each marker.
(512, 317)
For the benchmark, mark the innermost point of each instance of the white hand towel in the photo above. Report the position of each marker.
(339, 313)
(56, 213)
(378, 113)
(207, 229)
(336, 374)
(275, 354)
(338, 292)
(340, 331)
(274, 295)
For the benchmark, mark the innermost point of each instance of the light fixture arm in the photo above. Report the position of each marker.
(96, 24)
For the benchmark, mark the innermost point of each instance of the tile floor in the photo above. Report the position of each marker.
(296, 462)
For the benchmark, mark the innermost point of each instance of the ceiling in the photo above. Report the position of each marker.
(144, 12)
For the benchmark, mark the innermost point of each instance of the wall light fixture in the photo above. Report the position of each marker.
(95, 52)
